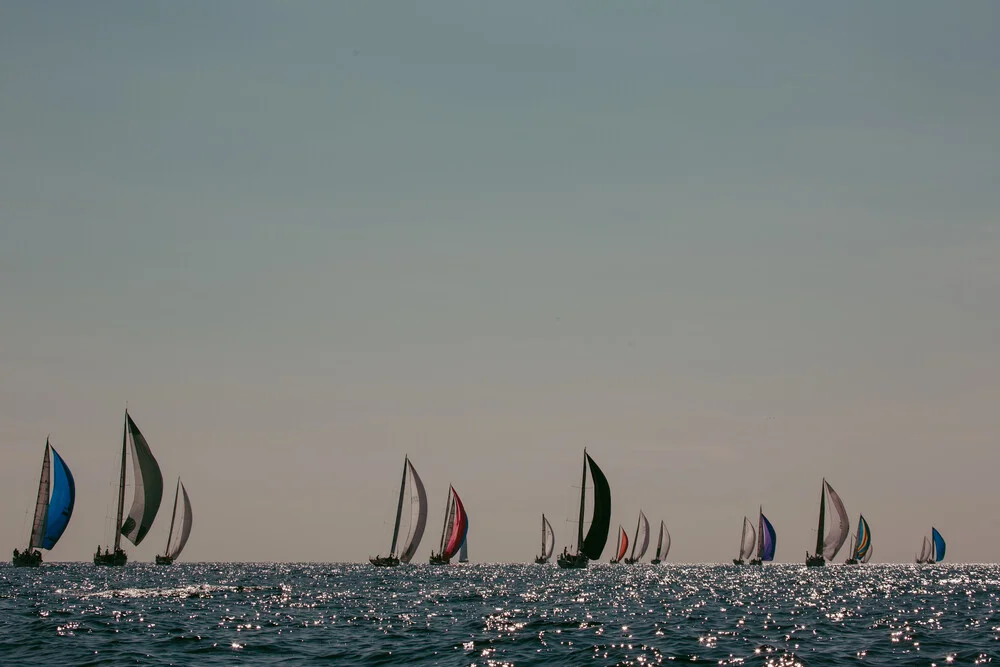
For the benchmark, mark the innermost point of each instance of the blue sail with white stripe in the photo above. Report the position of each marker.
(938, 545)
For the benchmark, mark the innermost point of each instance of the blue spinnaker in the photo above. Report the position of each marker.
(61, 503)
(770, 540)
(938, 545)
(864, 538)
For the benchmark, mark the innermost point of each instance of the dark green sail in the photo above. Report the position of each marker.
(600, 523)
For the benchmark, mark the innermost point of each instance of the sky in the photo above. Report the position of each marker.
(729, 248)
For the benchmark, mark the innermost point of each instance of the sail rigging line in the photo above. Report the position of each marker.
(399, 506)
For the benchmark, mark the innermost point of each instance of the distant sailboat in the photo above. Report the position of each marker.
(548, 542)
(590, 547)
(147, 494)
(662, 545)
(419, 503)
(746, 545)
(174, 550)
(827, 547)
(463, 553)
(641, 540)
(933, 549)
(767, 540)
(53, 508)
(862, 543)
(622, 545)
(453, 533)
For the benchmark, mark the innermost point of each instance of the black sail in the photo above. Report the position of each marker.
(600, 523)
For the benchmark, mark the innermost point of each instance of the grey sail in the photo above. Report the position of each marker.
(749, 540)
(548, 539)
(173, 551)
(148, 487)
(416, 526)
(41, 519)
(839, 525)
(665, 535)
(925, 551)
(868, 555)
(642, 538)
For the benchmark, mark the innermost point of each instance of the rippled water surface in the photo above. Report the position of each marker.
(289, 614)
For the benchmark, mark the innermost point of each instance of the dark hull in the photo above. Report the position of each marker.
(384, 561)
(851, 561)
(116, 559)
(756, 561)
(27, 558)
(738, 561)
(631, 561)
(541, 561)
(575, 561)
(439, 560)
(164, 560)
(815, 561)
(655, 561)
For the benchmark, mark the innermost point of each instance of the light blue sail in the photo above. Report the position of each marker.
(770, 540)
(864, 539)
(938, 545)
(61, 502)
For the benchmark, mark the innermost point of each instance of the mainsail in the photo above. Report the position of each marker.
(663, 542)
(767, 540)
(622, 544)
(56, 498)
(597, 536)
(829, 545)
(175, 546)
(926, 551)
(938, 545)
(747, 545)
(641, 537)
(548, 539)
(148, 487)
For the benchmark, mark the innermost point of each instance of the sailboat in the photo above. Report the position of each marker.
(862, 543)
(148, 492)
(174, 550)
(453, 533)
(53, 508)
(933, 549)
(662, 545)
(463, 553)
(416, 527)
(641, 528)
(590, 547)
(622, 545)
(548, 542)
(767, 541)
(746, 545)
(828, 546)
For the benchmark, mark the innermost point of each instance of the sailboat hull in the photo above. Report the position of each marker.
(577, 561)
(439, 559)
(815, 561)
(851, 561)
(116, 559)
(164, 560)
(384, 561)
(541, 561)
(27, 558)
(655, 561)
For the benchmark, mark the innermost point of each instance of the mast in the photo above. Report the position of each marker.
(760, 532)
(121, 487)
(399, 507)
(543, 535)
(173, 517)
(583, 497)
(822, 516)
(743, 538)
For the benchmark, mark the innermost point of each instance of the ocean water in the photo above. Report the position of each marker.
(299, 614)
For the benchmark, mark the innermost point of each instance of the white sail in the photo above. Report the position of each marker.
(174, 550)
(463, 553)
(839, 525)
(868, 554)
(548, 539)
(42, 503)
(666, 547)
(416, 525)
(746, 547)
(643, 537)
(925, 551)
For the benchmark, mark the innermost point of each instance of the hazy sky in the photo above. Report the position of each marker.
(731, 248)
